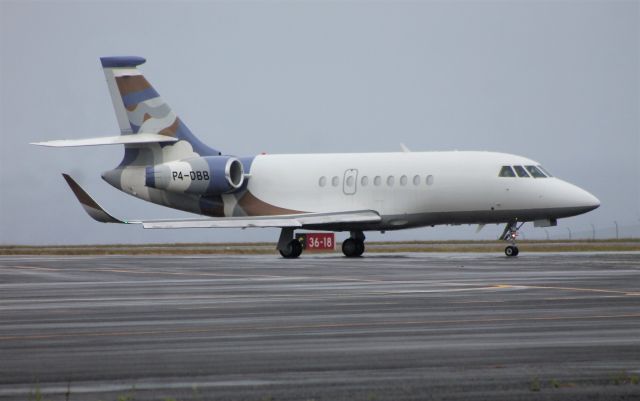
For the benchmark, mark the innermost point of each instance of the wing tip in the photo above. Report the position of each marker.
(90, 206)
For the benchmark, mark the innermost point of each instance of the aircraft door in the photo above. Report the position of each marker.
(350, 182)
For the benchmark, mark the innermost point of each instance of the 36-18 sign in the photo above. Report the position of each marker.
(317, 241)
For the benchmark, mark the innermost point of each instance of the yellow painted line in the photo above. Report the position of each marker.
(311, 326)
(188, 273)
(29, 268)
(479, 302)
(364, 304)
(596, 290)
(581, 298)
(238, 275)
(431, 291)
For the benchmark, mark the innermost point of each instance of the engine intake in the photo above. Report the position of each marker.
(210, 175)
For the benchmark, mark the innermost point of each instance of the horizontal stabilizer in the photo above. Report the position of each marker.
(90, 206)
(109, 140)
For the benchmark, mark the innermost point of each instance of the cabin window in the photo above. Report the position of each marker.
(521, 171)
(403, 180)
(506, 171)
(350, 181)
(323, 181)
(335, 181)
(364, 181)
(544, 171)
(416, 180)
(377, 181)
(429, 180)
(535, 172)
(390, 180)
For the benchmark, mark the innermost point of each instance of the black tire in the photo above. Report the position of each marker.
(297, 248)
(359, 248)
(516, 251)
(350, 248)
(292, 251)
(511, 251)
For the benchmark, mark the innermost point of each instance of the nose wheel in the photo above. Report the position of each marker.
(511, 250)
(510, 234)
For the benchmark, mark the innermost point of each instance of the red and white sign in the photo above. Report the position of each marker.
(317, 241)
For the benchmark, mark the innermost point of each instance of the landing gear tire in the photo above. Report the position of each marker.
(511, 251)
(293, 250)
(510, 234)
(352, 247)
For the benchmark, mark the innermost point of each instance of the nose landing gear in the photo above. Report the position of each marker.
(511, 250)
(510, 234)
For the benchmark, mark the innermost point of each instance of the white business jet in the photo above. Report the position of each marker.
(166, 164)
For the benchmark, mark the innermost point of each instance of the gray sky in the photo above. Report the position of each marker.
(558, 82)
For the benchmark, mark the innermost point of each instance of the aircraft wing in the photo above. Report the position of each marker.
(292, 220)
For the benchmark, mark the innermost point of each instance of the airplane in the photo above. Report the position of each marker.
(165, 163)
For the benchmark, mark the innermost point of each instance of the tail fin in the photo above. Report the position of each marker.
(140, 110)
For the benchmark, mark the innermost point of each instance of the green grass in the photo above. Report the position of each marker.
(623, 378)
(534, 385)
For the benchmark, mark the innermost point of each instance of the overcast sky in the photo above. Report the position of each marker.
(558, 82)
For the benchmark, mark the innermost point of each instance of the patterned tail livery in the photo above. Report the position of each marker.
(140, 110)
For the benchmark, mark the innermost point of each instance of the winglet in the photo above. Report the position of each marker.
(90, 206)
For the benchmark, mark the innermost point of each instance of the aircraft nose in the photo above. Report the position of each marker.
(585, 200)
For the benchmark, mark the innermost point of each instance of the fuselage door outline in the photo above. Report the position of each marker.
(350, 182)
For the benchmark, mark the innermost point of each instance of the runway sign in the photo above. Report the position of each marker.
(318, 242)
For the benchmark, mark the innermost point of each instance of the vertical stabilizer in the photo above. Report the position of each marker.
(121, 67)
(140, 109)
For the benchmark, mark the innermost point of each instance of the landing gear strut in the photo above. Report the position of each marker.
(354, 245)
(510, 234)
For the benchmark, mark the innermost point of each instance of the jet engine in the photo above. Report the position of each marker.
(210, 175)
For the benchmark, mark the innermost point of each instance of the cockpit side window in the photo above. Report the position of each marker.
(535, 172)
(506, 171)
(545, 171)
(521, 171)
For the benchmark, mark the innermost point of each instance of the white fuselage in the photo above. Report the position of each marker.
(423, 186)
(408, 189)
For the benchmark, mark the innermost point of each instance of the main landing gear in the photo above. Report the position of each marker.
(289, 247)
(354, 245)
(510, 234)
(292, 250)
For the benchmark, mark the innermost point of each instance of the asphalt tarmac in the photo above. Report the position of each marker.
(383, 327)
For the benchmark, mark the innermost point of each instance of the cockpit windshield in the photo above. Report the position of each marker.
(544, 171)
(535, 172)
(521, 171)
(524, 171)
(506, 171)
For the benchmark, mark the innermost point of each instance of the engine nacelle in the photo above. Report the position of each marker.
(211, 175)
